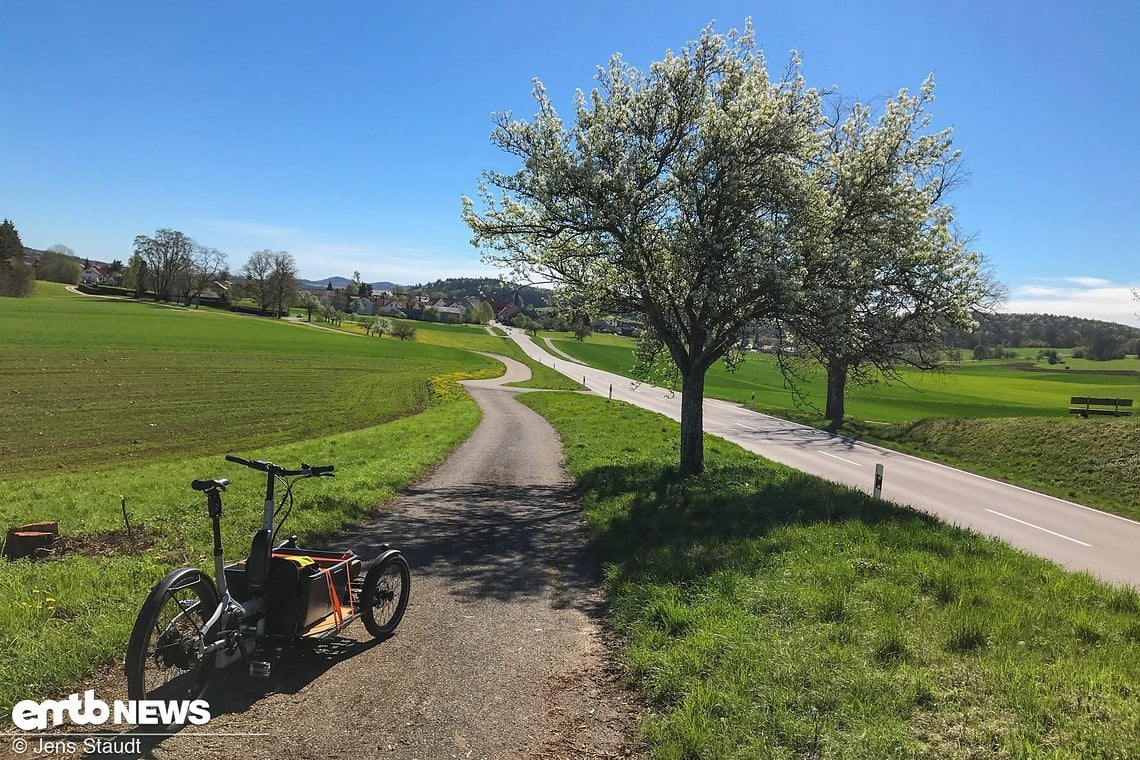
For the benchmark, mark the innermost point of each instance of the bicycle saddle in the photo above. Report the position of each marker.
(210, 485)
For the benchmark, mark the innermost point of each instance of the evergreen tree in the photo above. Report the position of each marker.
(16, 277)
(10, 245)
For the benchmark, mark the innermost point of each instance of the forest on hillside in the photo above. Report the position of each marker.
(487, 288)
(1101, 340)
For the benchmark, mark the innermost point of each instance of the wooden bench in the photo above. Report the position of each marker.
(1084, 406)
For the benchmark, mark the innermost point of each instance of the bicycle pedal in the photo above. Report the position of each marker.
(259, 669)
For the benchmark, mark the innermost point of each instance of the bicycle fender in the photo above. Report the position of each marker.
(385, 555)
(183, 577)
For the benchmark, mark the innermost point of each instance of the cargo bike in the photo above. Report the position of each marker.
(192, 625)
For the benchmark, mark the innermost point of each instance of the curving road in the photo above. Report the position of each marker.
(502, 653)
(1073, 535)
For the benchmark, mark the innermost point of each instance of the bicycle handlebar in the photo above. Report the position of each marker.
(314, 471)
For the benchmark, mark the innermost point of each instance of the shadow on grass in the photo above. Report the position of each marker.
(672, 528)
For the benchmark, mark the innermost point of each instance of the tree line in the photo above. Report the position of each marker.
(523, 296)
(171, 266)
(1094, 339)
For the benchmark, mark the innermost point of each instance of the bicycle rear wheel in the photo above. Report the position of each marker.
(385, 595)
(162, 657)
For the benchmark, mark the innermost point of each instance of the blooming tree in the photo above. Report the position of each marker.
(894, 275)
(679, 193)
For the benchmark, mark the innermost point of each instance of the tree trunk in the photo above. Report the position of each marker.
(836, 388)
(692, 421)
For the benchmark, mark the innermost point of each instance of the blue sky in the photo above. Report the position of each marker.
(346, 133)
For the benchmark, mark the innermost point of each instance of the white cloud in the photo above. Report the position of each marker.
(1089, 297)
(1088, 282)
(1042, 291)
(322, 255)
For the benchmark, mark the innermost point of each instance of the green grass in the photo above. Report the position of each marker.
(769, 614)
(93, 383)
(475, 338)
(111, 398)
(972, 389)
(1001, 418)
(47, 646)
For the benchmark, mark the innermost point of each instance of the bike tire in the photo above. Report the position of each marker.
(162, 662)
(384, 596)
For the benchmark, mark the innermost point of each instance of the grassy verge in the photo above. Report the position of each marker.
(1094, 461)
(770, 614)
(62, 619)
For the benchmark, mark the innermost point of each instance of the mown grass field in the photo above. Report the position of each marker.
(769, 614)
(108, 398)
(93, 383)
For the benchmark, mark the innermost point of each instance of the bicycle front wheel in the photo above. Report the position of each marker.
(385, 595)
(163, 662)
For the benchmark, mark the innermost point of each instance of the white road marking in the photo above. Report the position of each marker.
(1038, 527)
(841, 459)
(745, 427)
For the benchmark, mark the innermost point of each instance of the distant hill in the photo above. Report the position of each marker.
(340, 282)
(454, 288)
(489, 289)
(1041, 330)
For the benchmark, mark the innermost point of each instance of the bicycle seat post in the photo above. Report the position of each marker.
(214, 509)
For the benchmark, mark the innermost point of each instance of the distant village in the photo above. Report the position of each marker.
(421, 302)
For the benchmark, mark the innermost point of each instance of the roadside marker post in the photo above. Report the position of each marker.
(753, 405)
(878, 494)
(611, 396)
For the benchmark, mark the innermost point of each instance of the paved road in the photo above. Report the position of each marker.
(1073, 535)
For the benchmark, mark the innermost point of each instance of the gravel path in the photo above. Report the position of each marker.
(502, 652)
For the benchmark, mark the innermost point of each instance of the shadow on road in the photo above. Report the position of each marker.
(233, 690)
(494, 542)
